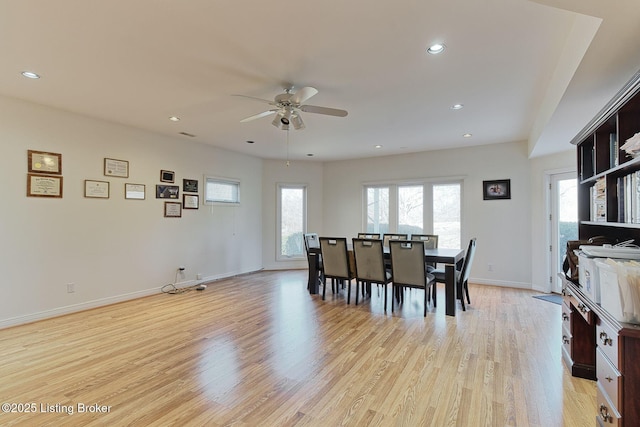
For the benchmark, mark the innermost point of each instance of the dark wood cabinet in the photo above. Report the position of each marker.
(595, 344)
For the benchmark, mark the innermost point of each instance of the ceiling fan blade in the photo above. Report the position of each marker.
(259, 115)
(323, 110)
(303, 94)
(256, 99)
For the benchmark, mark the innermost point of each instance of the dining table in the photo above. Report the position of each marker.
(451, 258)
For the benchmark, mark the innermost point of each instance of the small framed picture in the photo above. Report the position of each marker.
(496, 189)
(117, 168)
(190, 201)
(172, 209)
(167, 191)
(190, 185)
(43, 162)
(167, 176)
(134, 191)
(44, 185)
(96, 189)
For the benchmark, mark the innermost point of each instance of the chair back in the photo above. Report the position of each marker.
(391, 236)
(368, 235)
(468, 259)
(407, 263)
(369, 257)
(311, 241)
(335, 257)
(430, 240)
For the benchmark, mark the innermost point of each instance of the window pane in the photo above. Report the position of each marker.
(291, 222)
(221, 191)
(410, 203)
(377, 210)
(446, 215)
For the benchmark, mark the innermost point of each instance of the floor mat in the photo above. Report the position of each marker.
(556, 299)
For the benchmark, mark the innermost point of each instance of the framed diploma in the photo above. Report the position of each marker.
(172, 209)
(167, 191)
(167, 176)
(190, 185)
(96, 189)
(190, 201)
(42, 162)
(117, 168)
(134, 191)
(44, 185)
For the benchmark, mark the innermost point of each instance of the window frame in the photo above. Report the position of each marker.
(427, 211)
(221, 180)
(279, 188)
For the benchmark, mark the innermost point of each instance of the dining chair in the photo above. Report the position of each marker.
(430, 242)
(368, 235)
(337, 264)
(392, 236)
(462, 276)
(408, 269)
(370, 267)
(311, 241)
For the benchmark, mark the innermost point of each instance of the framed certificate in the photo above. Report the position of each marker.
(134, 191)
(172, 209)
(117, 168)
(190, 201)
(42, 162)
(96, 189)
(44, 185)
(190, 185)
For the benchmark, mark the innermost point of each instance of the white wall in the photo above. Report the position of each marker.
(502, 227)
(113, 249)
(298, 172)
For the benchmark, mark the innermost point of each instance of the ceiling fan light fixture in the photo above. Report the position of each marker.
(297, 122)
(281, 121)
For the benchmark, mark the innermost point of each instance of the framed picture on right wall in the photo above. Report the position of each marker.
(496, 189)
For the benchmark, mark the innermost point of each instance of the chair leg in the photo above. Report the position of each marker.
(348, 284)
(384, 287)
(393, 287)
(324, 289)
(426, 296)
(434, 293)
(466, 291)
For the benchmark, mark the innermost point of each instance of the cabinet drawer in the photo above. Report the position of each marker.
(609, 379)
(607, 414)
(607, 341)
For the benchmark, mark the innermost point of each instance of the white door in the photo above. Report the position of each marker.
(564, 221)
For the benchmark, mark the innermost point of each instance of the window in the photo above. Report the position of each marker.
(416, 208)
(292, 221)
(410, 209)
(446, 214)
(378, 210)
(221, 190)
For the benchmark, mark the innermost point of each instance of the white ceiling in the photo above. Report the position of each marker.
(533, 71)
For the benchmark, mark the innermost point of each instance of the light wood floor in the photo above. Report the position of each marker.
(258, 350)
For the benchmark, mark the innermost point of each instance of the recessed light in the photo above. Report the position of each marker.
(174, 119)
(30, 75)
(467, 135)
(457, 106)
(378, 146)
(436, 48)
(310, 155)
(250, 142)
(190, 135)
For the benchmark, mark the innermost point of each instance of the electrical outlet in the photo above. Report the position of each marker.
(489, 267)
(71, 288)
(198, 276)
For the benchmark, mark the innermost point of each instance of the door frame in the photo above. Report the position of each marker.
(550, 177)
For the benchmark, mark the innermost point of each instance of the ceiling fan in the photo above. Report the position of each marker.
(288, 106)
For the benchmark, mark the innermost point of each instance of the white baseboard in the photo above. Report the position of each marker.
(502, 283)
(60, 311)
